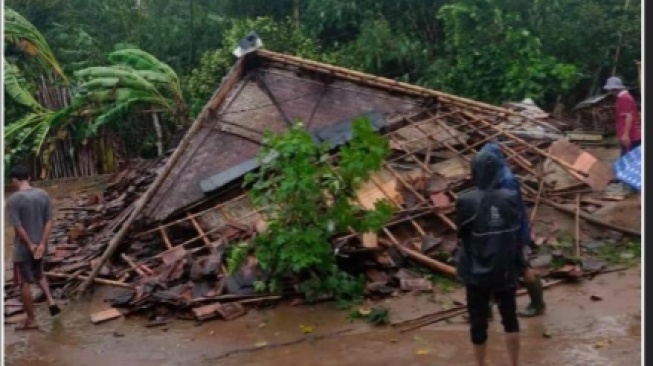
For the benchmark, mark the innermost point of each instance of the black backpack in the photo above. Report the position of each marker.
(490, 227)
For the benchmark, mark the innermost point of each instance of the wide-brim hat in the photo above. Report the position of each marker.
(614, 83)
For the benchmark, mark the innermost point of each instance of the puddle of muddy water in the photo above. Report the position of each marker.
(598, 333)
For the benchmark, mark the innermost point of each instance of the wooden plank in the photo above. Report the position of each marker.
(131, 264)
(105, 315)
(166, 239)
(199, 229)
(579, 136)
(370, 240)
(598, 174)
(415, 138)
(379, 187)
(454, 168)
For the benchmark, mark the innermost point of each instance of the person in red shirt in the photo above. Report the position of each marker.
(629, 129)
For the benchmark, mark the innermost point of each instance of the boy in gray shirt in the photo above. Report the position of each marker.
(29, 212)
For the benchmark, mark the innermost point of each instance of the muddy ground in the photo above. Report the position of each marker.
(575, 331)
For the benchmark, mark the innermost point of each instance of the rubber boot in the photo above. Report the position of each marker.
(537, 305)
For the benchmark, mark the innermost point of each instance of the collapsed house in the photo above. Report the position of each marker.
(173, 254)
(595, 114)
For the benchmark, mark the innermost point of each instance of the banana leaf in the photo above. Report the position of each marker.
(100, 83)
(141, 60)
(113, 113)
(14, 88)
(19, 31)
(34, 128)
(126, 77)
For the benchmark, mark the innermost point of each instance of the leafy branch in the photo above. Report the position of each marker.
(308, 201)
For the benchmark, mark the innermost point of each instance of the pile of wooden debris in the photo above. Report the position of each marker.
(180, 265)
(175, 264)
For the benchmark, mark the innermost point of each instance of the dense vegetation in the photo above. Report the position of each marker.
(553, 51)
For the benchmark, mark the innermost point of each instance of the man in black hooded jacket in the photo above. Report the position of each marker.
(490, 259)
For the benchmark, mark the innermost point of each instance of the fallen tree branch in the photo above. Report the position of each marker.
(234, 297)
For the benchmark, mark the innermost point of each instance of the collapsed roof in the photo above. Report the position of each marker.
(433, 136)
(268, 91)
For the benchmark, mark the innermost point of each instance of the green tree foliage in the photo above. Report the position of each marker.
(495, 57)
(134, 79)
(486, 49)
(33, 124)
(382, 50)
(308, 201)
(587, 34)
(20, 33)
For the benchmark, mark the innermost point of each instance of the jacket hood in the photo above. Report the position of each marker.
(486, 170)
(493, 148)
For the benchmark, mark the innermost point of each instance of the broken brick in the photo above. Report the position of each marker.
(206, 312)
(415, 284)
(232, 310)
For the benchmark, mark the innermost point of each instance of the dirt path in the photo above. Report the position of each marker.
(578, 331)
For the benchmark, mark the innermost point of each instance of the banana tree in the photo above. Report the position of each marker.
(21, 33)
(135, 79)
(34, 131)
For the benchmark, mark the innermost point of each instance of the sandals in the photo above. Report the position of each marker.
(24, 326)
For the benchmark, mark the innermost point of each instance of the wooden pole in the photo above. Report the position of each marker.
(427, 261)
(101, 281)
(220, 94)
(537, 199)
(159, 134)
(577, 223)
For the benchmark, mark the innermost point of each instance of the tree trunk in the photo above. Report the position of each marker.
(621, 38)
(192, 29)
(296, 5)
(159, 134)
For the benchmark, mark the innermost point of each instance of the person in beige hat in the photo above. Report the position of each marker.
(628, 124)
